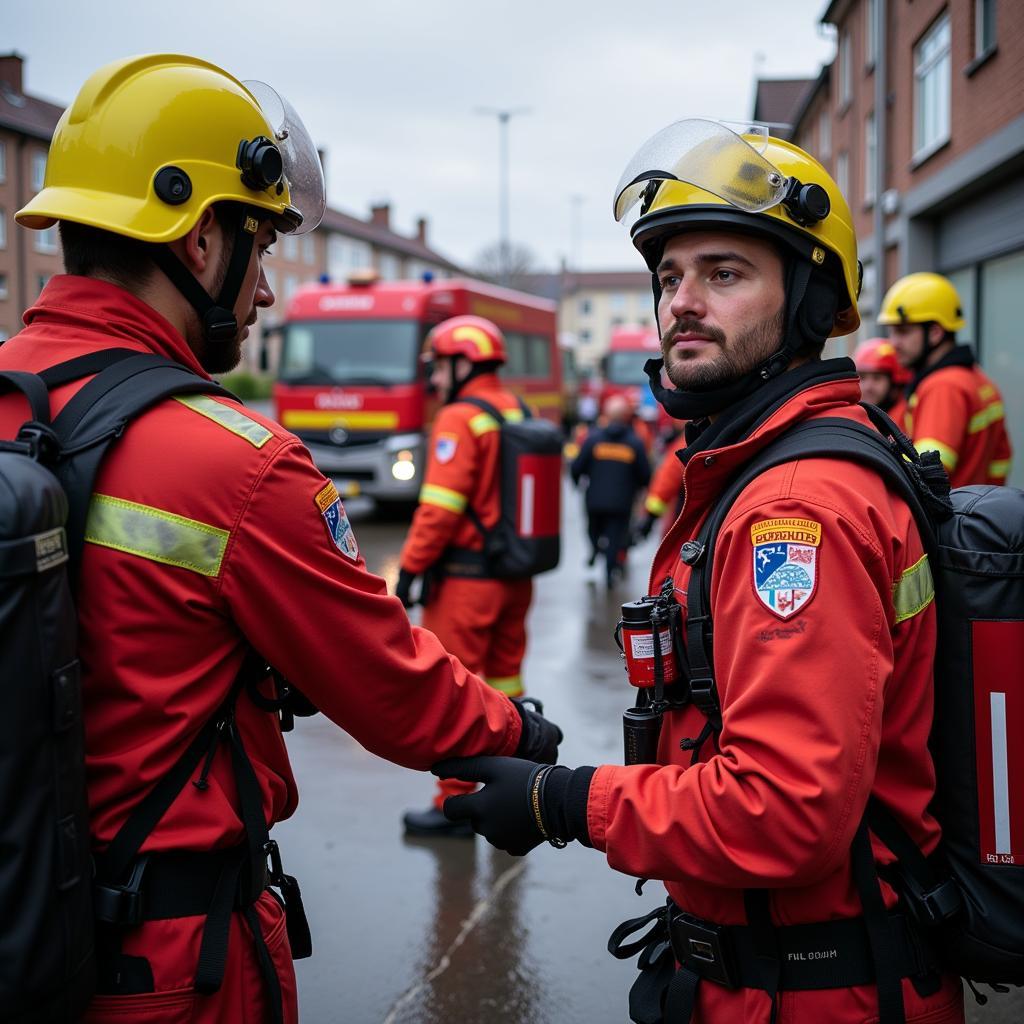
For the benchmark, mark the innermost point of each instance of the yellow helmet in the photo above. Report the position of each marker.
(150, 142)
(699, 174)
(920, 299)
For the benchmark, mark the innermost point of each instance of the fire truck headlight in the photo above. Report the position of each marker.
(404, 466)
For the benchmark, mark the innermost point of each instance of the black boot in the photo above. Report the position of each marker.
(432, 822)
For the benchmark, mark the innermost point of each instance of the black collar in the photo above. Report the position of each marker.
(739, 421)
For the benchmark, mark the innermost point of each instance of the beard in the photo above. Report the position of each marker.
(217, 356)
(733, 359)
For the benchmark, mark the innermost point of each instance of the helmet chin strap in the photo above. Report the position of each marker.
(810, 311)
(217, 315)
(918, 365)
(458, 385)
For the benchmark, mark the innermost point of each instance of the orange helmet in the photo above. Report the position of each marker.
(479, 340)
(877, 355)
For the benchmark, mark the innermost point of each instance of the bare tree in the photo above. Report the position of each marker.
(507, 268)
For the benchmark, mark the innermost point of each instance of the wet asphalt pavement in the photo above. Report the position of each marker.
(428, 931)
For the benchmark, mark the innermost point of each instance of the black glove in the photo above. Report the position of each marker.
(540, 737)
(522, 803)
(642, 529)
(403, 588)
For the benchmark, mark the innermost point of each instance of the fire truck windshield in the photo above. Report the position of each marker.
(350, 352)
(628, 367)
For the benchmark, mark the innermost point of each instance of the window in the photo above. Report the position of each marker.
(38, 171)
(584, 307)
(617, 301)
(845, 69)
(46, 241)
(984, 27)
(387, 266)
(932, 88)
(271, 276)
(843, 173)
(3, 336)
(290, 247)
(870, 35)
(308, 249)
(3, 286)
(585, 337)
(291, 282)
(3, 161)
(824, 135)
(3, 228)
(965, 283)
(870, 140)
(41, 280)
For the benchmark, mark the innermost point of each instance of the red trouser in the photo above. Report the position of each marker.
(172, 949)
(483, 623)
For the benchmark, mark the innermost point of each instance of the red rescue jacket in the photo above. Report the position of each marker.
(826, 699)
(462, 472)
(162, 637)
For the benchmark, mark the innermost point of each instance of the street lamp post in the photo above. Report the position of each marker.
(503, 116)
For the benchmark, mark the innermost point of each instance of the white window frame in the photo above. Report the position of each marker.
(845, 68)
(38, 170)
(981, 45)
(933, 71)
(870, 38)
(824, 134)
(870, 155)
(290, 248)
(843, 173)
(46, 240)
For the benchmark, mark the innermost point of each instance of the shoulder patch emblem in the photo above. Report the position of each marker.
(444, 447)
(785, 563)
(328, 501)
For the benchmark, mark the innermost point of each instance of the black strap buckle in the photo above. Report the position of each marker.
(121, 904)
(936, 906)
(704, 948)
(275, 869)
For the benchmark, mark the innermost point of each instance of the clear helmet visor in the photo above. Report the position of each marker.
(303, 173)
(708, 155)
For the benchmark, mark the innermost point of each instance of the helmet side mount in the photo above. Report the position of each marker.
(806, 204)
(261, 164)
(172, 185)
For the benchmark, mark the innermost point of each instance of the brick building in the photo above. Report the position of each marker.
(28, 259)
(920, 119)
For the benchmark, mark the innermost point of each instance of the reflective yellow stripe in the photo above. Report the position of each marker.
(990, 414)
(948, 456)
(655, 505)
(228, 417)
(1000, 468)
(431, 494)
(986, 391)
(913, 591)
(318, 419)
(484, 422)
(511, 686)
(155, 534)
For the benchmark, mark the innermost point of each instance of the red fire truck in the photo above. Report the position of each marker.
(351, 383)
(622, 372)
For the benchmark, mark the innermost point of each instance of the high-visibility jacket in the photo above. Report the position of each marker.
(826, 697)
(211, 530)
(958, 411)
(614, 461)
(665, 491)
(462, 473)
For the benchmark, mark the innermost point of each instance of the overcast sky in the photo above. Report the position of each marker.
(390, 90)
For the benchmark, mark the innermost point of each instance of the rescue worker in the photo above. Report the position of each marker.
(882, 379)
(482, 621)
(614, 461)
(212, 534)
(665, 494)
(953, 407)
(823, 691)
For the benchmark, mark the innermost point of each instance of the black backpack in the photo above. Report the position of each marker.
(47, 963)
(526, 539)
(969, 895)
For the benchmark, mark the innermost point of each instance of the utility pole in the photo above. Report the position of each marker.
(503, 116)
